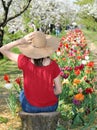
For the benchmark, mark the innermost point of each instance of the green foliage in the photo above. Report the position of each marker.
(3, 120)
(12, 103)
(83, 2)
(26, 21)
(88, 20)
(8, 37)
(36, 22)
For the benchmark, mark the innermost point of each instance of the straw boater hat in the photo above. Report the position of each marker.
(42, 45)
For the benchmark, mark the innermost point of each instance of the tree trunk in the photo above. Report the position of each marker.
(39, 121)
(1, 41)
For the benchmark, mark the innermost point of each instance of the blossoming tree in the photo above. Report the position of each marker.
(88, 13)
(9, 10)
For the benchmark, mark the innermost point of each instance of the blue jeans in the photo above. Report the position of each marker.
(33, 109)
(57, 32)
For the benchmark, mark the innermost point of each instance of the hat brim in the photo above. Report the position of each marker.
(36, 53)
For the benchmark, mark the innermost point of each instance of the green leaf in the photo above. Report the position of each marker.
(3, 120)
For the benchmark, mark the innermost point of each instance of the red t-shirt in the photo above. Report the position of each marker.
(38, 82)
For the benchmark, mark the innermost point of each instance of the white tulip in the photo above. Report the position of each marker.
(86, 57)
(84, 62)
(8, 85)
(65, 81)
(58, 53)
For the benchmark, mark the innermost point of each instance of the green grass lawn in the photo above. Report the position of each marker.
(91, 35)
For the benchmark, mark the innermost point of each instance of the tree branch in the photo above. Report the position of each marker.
(22, 11)
(3, 3)
(6, 9)
(9, 3)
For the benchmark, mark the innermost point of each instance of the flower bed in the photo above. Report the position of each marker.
(78, 98)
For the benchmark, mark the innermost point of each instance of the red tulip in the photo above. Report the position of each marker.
(6, 78)
(18, 81)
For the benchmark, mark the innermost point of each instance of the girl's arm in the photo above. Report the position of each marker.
(6, 49)
(58, 85)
